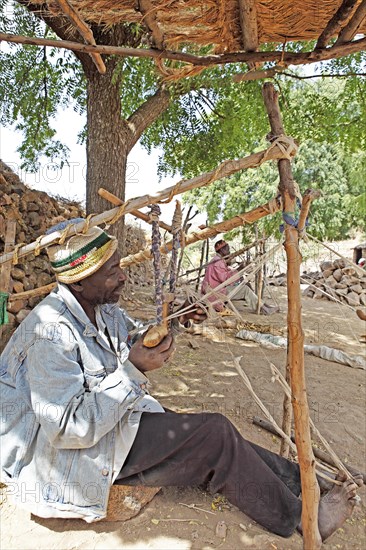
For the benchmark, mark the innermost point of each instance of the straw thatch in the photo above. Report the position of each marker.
(217, 23)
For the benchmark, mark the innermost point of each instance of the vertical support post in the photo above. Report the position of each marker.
(203, 250)
(260, 280)
(295, 352)
(6, 267)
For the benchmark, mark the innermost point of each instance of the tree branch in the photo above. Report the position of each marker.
(147, 113)
(335, 23)
(350, 30)
(336, 75)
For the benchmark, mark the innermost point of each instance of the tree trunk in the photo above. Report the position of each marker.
(111, 138)
(108, 144)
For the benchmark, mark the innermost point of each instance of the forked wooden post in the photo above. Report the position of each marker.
(295, 357)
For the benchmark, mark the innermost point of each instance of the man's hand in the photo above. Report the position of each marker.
(146, 359)
(195, 313)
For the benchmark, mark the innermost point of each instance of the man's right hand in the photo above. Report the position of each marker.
(146, 359)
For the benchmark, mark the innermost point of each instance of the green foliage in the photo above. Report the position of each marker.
(213, 121)
(339, 176)
(35, 82)
(327, 109)
(210, 118)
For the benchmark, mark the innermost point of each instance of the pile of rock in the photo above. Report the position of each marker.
(338, 279)
(34, 212)
(277, 280)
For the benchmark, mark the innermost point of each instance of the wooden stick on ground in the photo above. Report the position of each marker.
(310, 497)
(286, 388)
(323, 456)
(260, 280)
(276, 427)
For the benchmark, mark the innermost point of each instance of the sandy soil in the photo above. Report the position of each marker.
(203, 378)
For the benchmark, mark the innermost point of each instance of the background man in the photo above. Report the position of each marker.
(217, 272)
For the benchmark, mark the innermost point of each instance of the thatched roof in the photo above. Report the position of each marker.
(222, 24)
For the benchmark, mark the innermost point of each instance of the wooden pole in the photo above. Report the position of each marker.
(84, 30)
(226, 168)
(260, 280)
(185, 227)
(141, 215)
(203, 249)
(287, 58)
(309, 486)
(286, 411)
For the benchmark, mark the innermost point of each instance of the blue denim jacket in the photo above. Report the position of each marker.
(68, 401)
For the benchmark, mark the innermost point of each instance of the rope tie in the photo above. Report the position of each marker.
(38, 248)
(15, 259)
(286, 144)
(120, 212)
(243, 218)
(274, 204)
(4, 318)
(87, 224)
(175, 189)
(64, 234)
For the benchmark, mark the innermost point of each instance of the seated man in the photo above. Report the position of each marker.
(77, 415)
(217, 272)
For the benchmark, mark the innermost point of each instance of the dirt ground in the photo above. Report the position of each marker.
(203, 378)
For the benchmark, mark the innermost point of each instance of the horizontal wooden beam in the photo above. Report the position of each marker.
(116, 201)
(335, 23)
(84, 30)
(210, 231)
(287, 58)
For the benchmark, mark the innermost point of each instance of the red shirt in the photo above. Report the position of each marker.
(217, 272)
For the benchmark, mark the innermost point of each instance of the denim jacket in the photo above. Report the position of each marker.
(68, 402)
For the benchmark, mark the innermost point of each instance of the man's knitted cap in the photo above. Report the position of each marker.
(80, 255)
(220, 244)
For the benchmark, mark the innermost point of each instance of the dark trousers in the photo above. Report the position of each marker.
(195, 449)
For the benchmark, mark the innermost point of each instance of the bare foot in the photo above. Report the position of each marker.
(336, 506)
(326, 485)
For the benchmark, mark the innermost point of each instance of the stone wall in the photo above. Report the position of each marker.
(338, 279)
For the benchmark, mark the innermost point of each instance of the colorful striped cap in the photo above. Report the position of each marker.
(80, 255)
